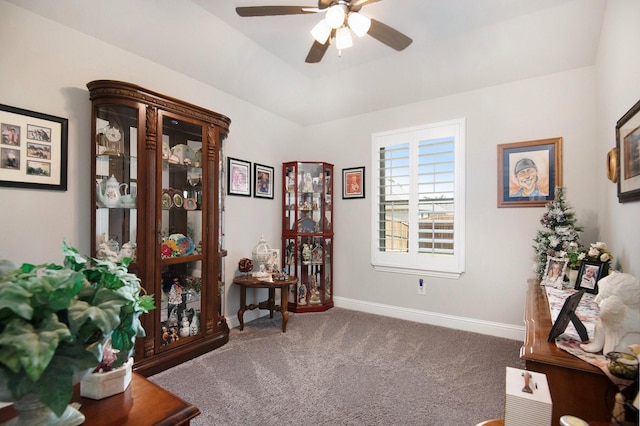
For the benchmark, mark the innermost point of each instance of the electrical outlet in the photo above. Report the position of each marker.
(421, 287)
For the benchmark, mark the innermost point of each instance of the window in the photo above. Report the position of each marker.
(418, 200)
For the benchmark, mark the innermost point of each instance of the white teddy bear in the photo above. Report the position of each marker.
(618, 323)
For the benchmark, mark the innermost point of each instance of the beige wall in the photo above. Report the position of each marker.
(45, 67)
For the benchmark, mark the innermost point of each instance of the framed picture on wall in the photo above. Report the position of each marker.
(239, 177)
(33, 149)
(628, 149)
(529, 172)
(353, 183)
(263, 178)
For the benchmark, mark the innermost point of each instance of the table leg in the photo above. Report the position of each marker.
(272, 302)
(284, 304)
(243, 304)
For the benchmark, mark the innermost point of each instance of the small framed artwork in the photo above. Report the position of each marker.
(33, 149)
(273, 263)
(529, 172)
(589, 274)
(353, 183)
(239, 177)
(554, 272)
(628, 149)
(263, 178)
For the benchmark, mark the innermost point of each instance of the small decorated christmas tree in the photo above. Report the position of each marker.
(559, 232)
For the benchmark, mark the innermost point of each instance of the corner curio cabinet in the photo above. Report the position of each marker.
(307, 234)
(157, 199)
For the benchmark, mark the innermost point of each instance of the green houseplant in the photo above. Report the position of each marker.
(54, 321)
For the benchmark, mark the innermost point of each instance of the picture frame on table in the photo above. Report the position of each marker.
(529, 172)
(568, 315)
(353, 183)
(33, 149)
(273, 263)
(238, 177)
(589, 274)
(628, 151)
(554, 272)
(263, 181)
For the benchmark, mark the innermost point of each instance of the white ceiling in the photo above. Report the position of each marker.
(458, 45)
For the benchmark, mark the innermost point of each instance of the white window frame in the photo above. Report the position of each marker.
(447, 266)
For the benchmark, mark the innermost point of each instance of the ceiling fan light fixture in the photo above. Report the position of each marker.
(343, 38)
(321, 32)
(336, 16)
(359, 23)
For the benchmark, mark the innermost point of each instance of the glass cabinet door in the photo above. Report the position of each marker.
(183, 270)
(116, 173)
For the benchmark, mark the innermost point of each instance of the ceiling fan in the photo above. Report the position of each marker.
(341, 17)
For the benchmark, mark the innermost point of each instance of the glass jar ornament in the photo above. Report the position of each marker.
(261, 252)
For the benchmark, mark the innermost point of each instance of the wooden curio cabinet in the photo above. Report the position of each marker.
(157, 199)
(307, 234)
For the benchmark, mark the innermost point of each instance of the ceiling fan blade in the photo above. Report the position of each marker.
(316, 52)
(389, 36)
(274, 10)
(357, 4)
(323, 4)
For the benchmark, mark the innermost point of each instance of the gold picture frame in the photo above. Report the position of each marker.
(529, 172)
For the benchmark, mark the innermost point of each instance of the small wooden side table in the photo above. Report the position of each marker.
(253, 282)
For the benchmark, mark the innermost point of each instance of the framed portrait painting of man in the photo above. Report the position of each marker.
(529, 172)
(589, 274)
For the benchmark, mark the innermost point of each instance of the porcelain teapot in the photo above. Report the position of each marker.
(111, 197)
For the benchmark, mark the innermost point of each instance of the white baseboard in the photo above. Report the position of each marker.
(507, 331)
(490, 328)
(232, 320)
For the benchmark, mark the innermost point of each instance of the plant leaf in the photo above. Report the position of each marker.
(33, 347)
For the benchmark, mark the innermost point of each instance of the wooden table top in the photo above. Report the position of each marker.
(251, 281)
(142, 403)
(538, 325)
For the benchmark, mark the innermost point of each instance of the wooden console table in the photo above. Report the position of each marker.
(253, 282)
(142, 403)
(577, 387)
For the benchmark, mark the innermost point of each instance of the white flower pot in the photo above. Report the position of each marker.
(102, 385)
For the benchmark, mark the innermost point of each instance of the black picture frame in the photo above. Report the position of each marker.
(568, 314)
(353, 183)
(238, 177)
(262, 181)
(545, 156)
(33, 149)
(628, 153)
(589, 274)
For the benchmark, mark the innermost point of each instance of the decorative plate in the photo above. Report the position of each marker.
(167, 203)
(178, 201)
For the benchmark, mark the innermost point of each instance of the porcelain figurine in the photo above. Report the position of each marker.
(618, 322)
(195, 325)
(128, 250)
(185, 330)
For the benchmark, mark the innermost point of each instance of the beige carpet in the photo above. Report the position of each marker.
(343, 367)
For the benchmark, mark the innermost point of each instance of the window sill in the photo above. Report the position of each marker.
(416, 271)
